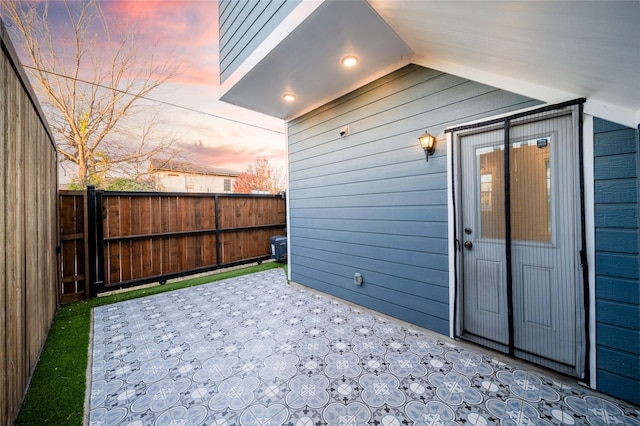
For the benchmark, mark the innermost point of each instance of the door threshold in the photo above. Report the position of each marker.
(501, 351)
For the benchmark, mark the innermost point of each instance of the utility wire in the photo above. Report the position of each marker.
(151, 99)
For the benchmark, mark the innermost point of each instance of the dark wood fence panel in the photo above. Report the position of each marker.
(73, 280)
(28, 231)
(133, 238)
(250, 214)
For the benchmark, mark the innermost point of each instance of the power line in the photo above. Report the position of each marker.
(151, 99)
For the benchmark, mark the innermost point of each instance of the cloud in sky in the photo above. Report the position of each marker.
(186, 31)
(234, 157)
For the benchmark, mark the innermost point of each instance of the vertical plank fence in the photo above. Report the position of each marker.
(120, 239)
(74, 283)
(28, 230)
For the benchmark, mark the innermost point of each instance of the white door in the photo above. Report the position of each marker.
(541, 280)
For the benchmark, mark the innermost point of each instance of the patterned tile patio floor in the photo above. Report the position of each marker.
(253, 350)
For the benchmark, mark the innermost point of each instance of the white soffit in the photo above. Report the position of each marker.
(552, 51)
(307, 61)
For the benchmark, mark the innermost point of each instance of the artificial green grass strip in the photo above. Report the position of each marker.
(56, 393)
(57, 390)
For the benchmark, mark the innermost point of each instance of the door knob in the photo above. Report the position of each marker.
(468, 244)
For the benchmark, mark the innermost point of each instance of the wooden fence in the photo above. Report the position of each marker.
(118, 239)
(28, 231)
(73, 256)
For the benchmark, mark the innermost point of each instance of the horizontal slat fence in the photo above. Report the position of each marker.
(136, 237)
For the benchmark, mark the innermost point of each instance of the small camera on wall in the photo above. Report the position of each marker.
(344, 131)
(357, 278)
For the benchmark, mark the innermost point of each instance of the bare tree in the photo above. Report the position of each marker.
(91, 86)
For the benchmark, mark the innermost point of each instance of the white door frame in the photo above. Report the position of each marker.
(454, 264)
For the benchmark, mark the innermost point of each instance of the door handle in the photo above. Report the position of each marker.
(468, 244)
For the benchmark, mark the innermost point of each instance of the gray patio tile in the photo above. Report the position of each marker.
(255, 351)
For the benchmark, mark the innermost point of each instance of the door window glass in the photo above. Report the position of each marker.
(530, 179)
(531, 190)
(491, 169)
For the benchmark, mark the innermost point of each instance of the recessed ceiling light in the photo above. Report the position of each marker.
(289, 97)
(349, 61)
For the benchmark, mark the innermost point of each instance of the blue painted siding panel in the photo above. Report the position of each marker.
(615, 166)
(620, 338)
(254, 16)
(436, 266)
(621, 314)
(614, 361)
(616, 215)
(370, 203)
(615, 190)
(617, 261)
(616, 264)
(242, 14)
(601, 127)
(244, 25)
(617, 240)
(618, 289)
(406, 278)
(411, 228)
(387, 213)
(321, 282)
(619, 385)
(614, 142)
(387, 241)
(378, 286)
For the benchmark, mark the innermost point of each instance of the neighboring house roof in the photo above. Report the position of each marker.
(551, 51)
(183, 167)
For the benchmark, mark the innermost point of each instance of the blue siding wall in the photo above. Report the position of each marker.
(617, 273)
(244, 25)
(370, 203)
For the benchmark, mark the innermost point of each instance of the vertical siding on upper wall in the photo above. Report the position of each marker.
(617, 285)
(244, 25)
(370, 203)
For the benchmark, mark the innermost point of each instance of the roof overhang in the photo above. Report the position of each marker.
(303, 57)
(551, 51)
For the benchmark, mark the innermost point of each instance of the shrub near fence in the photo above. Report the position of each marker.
(136, 237)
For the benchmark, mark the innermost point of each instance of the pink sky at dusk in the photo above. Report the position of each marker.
(186, 31)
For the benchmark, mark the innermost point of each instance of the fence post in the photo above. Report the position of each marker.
(218, 257)
(95, 240)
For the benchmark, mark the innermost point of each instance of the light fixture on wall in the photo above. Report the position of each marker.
(428, 143)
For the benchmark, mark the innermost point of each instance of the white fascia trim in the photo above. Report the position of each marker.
(450, 236)
(286, 27)
(288, 202)
(617, 114)
(614, 113)
(590, 229)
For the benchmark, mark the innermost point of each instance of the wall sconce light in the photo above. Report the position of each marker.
(428, 143)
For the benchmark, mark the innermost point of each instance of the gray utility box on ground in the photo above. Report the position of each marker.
(278, 246)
